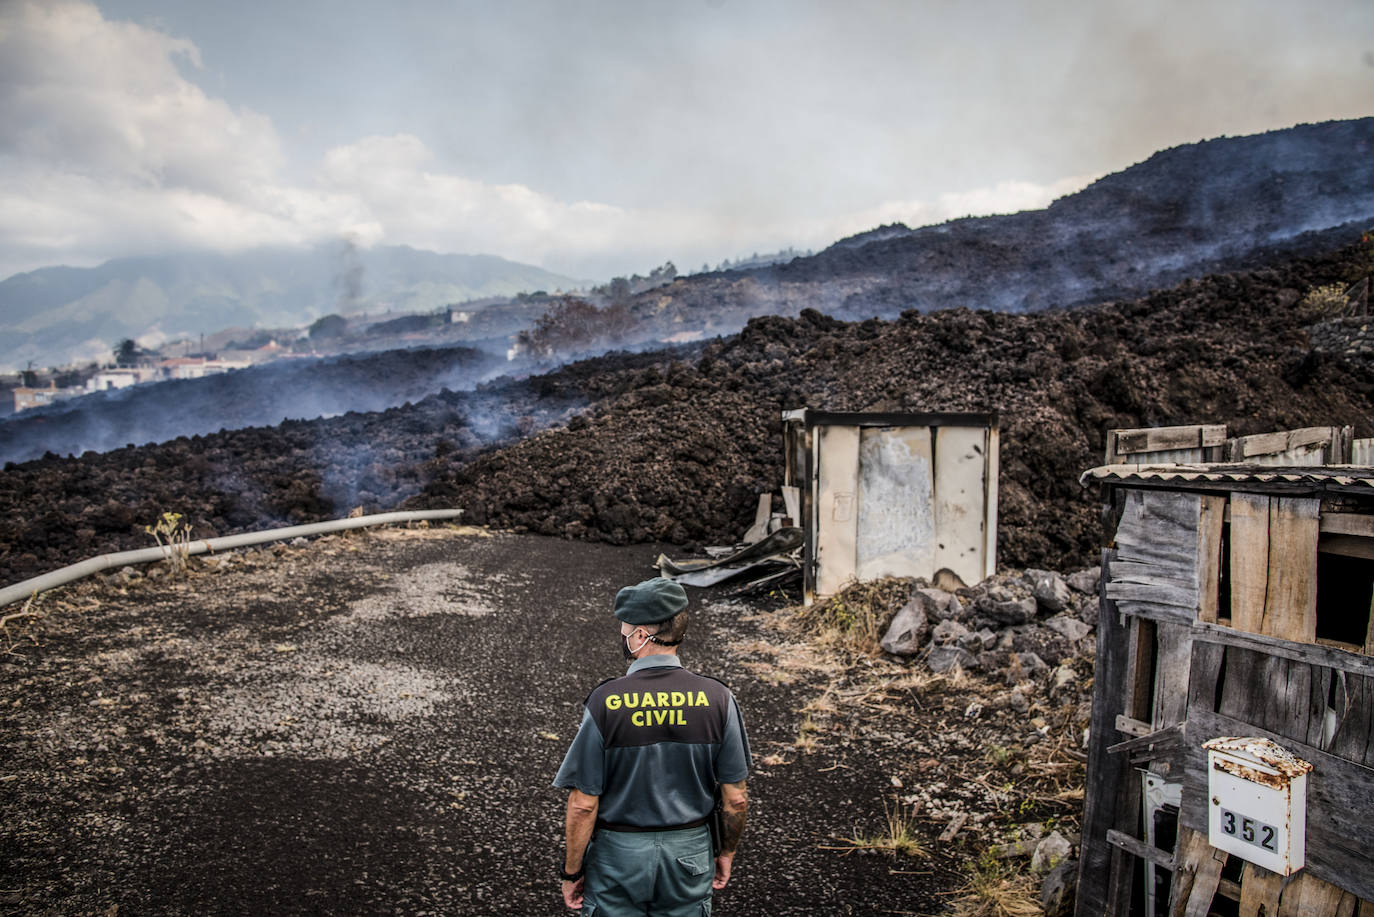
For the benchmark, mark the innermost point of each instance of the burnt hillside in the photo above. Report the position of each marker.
(674, 445)
(1233, 203)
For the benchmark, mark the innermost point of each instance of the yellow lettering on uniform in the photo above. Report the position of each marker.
(701, 699)
(679, 699)
(612, 702)
(631, 700)
(638, 718)
(661, 717)
(647, 700)
(663, 698)
(681, 721)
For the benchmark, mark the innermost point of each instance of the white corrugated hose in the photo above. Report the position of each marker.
(76, 571)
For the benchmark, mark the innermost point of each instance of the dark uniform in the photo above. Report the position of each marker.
(652, 746)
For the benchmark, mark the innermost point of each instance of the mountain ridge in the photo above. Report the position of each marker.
(64, 314)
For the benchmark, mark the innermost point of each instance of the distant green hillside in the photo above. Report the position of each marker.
(58, 315)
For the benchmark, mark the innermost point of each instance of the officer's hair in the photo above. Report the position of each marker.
(671, 631)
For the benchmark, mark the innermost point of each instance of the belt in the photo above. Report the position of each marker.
(640, 829)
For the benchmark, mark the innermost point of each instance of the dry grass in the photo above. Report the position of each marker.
(996, 889)
(899, 837)
(855, 617)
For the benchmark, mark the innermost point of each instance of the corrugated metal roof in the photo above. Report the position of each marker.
(1360, 477)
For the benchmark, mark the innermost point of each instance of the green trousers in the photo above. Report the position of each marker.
(649, 874)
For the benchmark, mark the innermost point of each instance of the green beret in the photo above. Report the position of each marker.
(649, 602)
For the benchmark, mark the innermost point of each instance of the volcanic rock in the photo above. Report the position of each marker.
(1050, 590)
(907, 631)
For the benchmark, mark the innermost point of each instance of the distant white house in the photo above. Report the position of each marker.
(26, 398)
(108, 379)
(197, 367)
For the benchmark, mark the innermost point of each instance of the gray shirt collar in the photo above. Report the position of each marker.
(655, 661)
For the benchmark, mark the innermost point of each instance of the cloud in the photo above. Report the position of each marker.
(111, 149)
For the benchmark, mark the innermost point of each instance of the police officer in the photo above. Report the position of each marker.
(643, 771)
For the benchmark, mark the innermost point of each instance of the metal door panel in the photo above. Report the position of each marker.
(960, 503)
(896, 519)
(836, 507)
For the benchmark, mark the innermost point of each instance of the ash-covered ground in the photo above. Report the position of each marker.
(674, 446)
(370, 724)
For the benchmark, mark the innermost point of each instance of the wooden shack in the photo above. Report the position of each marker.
(1236, 601)
(892, 494)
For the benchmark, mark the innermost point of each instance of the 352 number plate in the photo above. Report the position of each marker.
(1266, 837)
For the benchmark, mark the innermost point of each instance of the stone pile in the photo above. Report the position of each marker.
(1027, 624)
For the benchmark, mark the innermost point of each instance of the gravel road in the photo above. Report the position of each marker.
(370, 724)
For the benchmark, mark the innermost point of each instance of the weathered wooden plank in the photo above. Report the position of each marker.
(1307, 896)
(1362, 452)
(1290, 605)
(1167, 736)
(1132, 727)
(1259, 891)
(1321, 679)
(1354, 712)
(1109, 796)
(1124, 571)
(1284, 441)
(1271, 692)
(1140, 661)
(1249, 560)
(1344, 448)
(1340, 793)
(1208, 659)
(1196, 880)
(1347, 524)
(1292, 689)
(1188, 852)
(1154, 594)
(1241, 685)
(1172, 662)
(1312, 653)
(1140, 849)
(1347, 545)
(1158, 439)
(1154, 612)
(1211, 518)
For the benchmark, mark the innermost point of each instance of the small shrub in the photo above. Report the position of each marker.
(1325, 300)
(173, 535)
(899, 837)
(997, 889)
(857, 616)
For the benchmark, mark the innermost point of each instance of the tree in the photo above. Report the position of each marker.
(620, 289)
(126, 352)
(330, 326)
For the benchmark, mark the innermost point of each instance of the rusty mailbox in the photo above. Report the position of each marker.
(1258, 802)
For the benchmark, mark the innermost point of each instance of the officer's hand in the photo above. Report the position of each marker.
(572, 893)
(722, 870)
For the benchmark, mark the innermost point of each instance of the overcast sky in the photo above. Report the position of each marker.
(606, 136)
